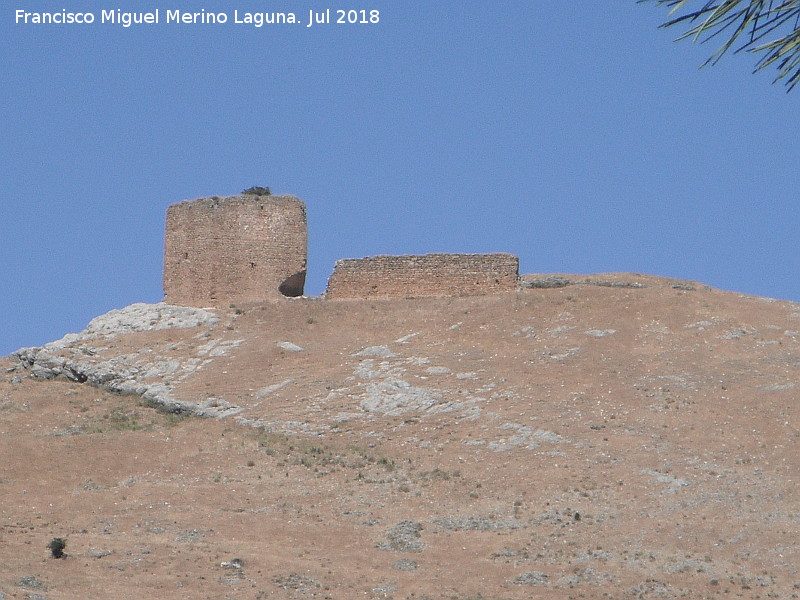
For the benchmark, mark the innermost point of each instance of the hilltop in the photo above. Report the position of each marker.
(618, 434)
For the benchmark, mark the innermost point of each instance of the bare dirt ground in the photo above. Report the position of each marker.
(627, 436)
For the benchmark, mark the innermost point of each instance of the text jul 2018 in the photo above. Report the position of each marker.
(256, 19)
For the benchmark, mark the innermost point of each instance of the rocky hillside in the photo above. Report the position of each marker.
(616, 435)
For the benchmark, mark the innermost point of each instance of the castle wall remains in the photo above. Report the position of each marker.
(423, 275)
(237, 249)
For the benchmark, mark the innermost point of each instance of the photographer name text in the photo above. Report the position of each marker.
(203, 17)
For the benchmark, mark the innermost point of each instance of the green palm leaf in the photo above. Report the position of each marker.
(749, 23)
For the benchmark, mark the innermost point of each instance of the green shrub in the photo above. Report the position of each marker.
(257, 191)
(57, 546)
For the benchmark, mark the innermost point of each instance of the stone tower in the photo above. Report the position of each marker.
(238, 249)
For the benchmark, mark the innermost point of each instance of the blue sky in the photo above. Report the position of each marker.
(578, 136)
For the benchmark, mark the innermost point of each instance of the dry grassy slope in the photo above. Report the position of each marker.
(549, 443)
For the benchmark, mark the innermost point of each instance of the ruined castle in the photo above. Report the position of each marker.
(252, 248)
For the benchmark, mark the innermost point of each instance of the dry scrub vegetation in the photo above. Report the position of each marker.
(586, 440)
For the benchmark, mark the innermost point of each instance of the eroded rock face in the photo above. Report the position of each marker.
(133, 318)
(148, 317)
(87, 357)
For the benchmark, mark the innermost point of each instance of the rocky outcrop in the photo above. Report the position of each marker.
(85, 357)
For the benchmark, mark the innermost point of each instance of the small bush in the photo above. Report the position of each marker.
(57, 546)
(257, 191)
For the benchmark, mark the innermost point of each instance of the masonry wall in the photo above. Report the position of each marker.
(220, 251)
(423, 275)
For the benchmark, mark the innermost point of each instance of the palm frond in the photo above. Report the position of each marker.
(748, 23)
